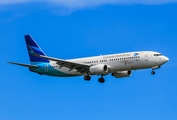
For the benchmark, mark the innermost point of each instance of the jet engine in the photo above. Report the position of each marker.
(121, 74)
(98, 69)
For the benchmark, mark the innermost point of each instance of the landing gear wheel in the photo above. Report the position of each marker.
(153, 72)
(101, 80)
(87, 78)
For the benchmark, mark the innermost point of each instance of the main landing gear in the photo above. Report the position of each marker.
(153, 72)
(88, 78)
(100, 80)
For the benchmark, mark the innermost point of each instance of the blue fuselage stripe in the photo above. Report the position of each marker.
(47, 69)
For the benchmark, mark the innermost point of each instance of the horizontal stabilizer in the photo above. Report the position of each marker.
(24, 65)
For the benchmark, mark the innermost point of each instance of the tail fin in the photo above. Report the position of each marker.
(31, 44)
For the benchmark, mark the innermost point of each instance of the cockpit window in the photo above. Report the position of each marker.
(157, 54)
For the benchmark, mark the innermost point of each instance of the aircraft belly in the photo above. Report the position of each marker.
(65, 72)
(47, 69)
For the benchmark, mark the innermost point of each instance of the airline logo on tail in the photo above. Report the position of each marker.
(31, 52)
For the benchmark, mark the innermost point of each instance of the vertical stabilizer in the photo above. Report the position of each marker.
(32, 47)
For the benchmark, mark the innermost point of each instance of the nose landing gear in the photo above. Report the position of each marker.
(155, 67)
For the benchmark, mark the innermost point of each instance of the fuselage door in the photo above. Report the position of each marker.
(46, 68)
(146, 57)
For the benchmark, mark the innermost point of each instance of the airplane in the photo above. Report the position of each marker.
(118, 65)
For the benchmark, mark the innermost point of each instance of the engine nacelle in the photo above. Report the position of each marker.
(98, 69)
(121, 74)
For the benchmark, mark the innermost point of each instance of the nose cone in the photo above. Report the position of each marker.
(165, 59)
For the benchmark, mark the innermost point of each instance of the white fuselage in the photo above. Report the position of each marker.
(116, 62)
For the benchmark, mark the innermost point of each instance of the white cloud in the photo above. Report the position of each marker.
(87, 3)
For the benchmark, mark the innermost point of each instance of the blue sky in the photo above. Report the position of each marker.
(72, 29)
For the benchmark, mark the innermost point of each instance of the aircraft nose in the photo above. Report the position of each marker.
(165, 59)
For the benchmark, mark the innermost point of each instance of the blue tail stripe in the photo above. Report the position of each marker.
(37, 50)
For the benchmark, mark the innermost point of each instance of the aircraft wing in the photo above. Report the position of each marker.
(82, 68)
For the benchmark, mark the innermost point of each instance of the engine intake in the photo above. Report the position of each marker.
(121, 74)
(98, 69)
